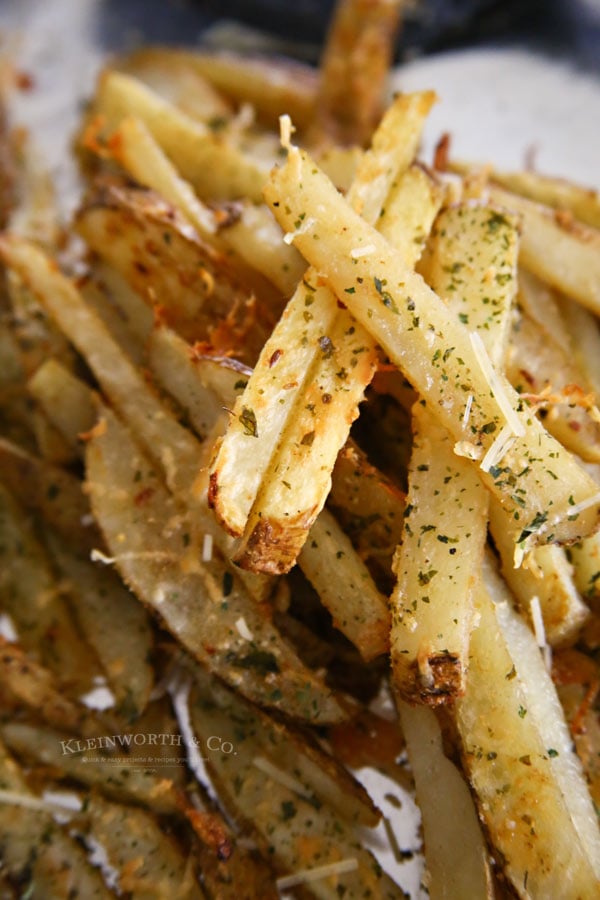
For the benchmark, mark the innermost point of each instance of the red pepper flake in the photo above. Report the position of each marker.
(143, 496)
(274, 357)
(24, 81)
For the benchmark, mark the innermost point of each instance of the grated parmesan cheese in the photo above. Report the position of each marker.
(540, 631)
(501, 445)
(286, 130)
(495, 383)
(243, 629)
(290, 236)
(305, 876)
(468, 450)
(267, 768)
(575, 510)
(357, 252)
(207, 548)
(53, 804)
(467, 413)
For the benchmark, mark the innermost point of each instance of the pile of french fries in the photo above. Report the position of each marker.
(291, 421)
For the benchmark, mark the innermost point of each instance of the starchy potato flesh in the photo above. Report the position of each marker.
(519, 756)
(436, 564)
(557, 249)
(537, 364)
(329, 560)
(456, 853)
(359, 610)
(417, 331)
(471, 263)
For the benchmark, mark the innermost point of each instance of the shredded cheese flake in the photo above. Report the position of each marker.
(539, 630)
(495, 383)
(290, 236)
(286, 130)
(41, 804)
(243, 629)
(305, 876)
(468, 450)
(357, 252)
(498, 448)
(267, 768)
(207, 548)
(575, 510)
(467, 412)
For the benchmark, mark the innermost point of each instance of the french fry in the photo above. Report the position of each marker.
(432, 602)
(538, 366)
(359, 610)
(64, 755)
(51, 491)
(164, 260)
(475, 243)
(436, 564)
(572, 265)
(216, 169)
(65, 400)
(99, 600)
(558, 193)
(584, 333)
(368, 505)
(319, 775)
(202, 603)
(456, 855)
(273, 88)
(585, 558)
(548, 576)
(36, 687)
(148, 862)
(543, 304)
(204, 385)
(528, 782)
(354, 69)
(38, 855)
(329, 560)
(35, 600)
(420, 334)
(173, 75)
(280, 812)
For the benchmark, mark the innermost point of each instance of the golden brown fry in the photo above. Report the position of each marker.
(354, 70)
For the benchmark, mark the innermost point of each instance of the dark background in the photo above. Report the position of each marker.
(562, 28)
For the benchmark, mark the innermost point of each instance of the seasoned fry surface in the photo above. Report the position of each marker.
(299, 484)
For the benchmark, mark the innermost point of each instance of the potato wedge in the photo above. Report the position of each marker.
(203, 604)
(38, 855)
(283, 819)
